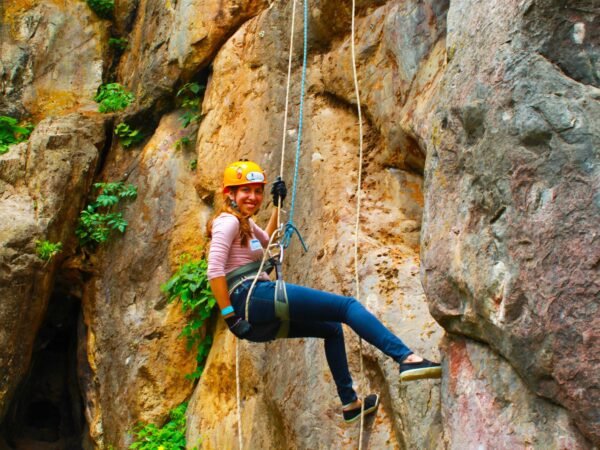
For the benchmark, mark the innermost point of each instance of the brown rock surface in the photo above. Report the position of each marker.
(172, 41)
(292, 376)
(136, 360)
(42, 187)
(53, 57)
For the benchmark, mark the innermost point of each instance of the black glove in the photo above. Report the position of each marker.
(278, 191)
(238, 326)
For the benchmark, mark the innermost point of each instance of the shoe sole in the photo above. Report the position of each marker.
(419, 374)
(365, 412)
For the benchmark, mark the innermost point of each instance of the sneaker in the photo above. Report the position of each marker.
(371, 403)
(419, 370)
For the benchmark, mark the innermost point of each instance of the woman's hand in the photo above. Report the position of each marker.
(238, 326)
(278, 191)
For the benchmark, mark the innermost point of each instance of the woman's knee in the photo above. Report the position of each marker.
(334, 329)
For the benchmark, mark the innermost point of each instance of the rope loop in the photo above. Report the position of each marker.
(289, 231)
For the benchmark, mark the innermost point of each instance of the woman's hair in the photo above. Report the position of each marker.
(245, 229)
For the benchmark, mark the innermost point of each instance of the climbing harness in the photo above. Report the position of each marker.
(252, 271)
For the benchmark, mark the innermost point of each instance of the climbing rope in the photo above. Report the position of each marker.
(358, 204)
(290, 229)
(277, 233)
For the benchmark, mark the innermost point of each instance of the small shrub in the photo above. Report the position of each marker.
(119, 44)
(171, 436)
(98, 220)
(47, 250)
(103, 8)
(190, 97)
(127, 136)
(182, 143)
(193, 164)
(12, 133)
(113, 97)
(190, 286)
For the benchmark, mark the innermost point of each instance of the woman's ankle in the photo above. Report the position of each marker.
(355, 404)
(412, 358)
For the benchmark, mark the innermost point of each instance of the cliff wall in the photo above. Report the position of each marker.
(478, 232)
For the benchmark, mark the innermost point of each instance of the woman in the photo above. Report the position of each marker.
(237, 244)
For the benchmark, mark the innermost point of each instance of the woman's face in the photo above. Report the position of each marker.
(248, 197)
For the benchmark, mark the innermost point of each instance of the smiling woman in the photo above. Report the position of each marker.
(237, 244)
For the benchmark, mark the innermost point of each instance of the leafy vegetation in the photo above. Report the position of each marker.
(182, 143)
(103, 8)
(171, 436)
(98, 220)
(47, 250)
(113, 97)
(127, 136)
(193, 164)
(12, 133)
(190, 96)
(190, 286)
(119, 44)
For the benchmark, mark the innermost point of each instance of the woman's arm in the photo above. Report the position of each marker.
(272, 225)
(218, 287)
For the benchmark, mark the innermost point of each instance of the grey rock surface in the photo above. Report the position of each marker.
(510, 242)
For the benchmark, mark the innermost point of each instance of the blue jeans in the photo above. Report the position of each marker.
(318, 314)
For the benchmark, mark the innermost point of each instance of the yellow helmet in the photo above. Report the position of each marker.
(242, 172)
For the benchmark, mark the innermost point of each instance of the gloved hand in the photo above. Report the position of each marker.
(278, 191)
(238, 326)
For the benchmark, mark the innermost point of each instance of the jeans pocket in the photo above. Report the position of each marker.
(238, 297)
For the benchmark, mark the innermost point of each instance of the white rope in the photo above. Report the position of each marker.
(358, 200)
(237, 387)
(277, 232)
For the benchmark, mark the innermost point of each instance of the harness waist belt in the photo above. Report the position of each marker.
(245, 272)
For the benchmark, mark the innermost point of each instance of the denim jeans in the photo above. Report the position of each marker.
(318, 314)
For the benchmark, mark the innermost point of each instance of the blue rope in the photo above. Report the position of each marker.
(290, 228)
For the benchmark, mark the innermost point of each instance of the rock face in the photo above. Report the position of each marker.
(42, 187)
(136, 362)
(510, 238)
(53, 57)
(479, 207)
(243, 83)
(485, 404)
(171, 42)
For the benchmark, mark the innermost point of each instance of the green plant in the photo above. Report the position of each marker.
(190, 96)
(12, 133)
(113, 97)
(182, 143)
(103, 8)
(171, 436)
(193, 164)
(119, 44)
(190, 286)
(46, 250)
(127, 136)
(98, 220)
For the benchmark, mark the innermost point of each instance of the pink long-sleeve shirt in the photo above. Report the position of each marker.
(226, 252)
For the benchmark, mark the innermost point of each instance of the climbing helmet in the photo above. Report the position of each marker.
(242, 172)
